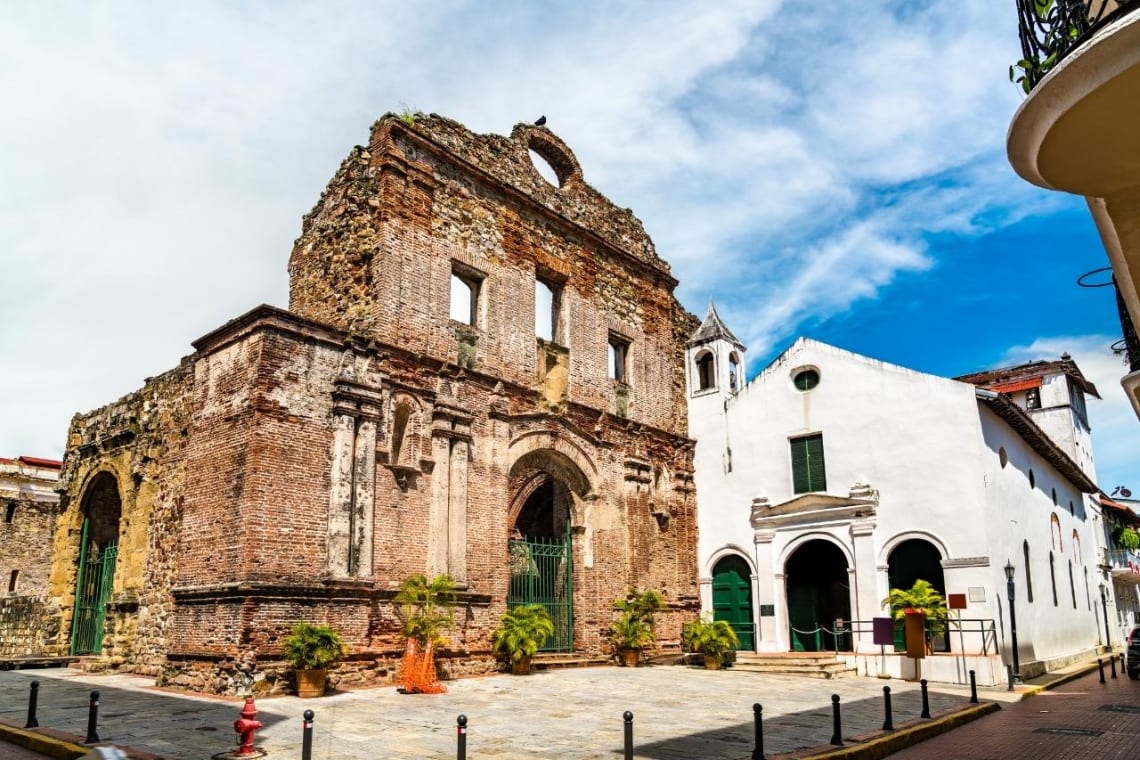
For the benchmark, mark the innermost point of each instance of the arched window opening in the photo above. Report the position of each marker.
(1028, 573)
(1053, 576)
(400, 452)
(1072, 586)
(1055, 533)
(734, 380)
(706, 372)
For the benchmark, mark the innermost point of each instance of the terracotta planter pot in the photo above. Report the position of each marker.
(521, 667)
(311, 683)
(628, 658)
(712, 662)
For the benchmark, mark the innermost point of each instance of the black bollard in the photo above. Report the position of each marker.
(461, 738)
(758, 751)
(973, 689)
(1009, 676)
(888, 721)
(627, 716)
(92, 719)
(925, 700)
(1112, 662)
(1122, 669)
(307, 736)
(33, 698)
(1100, 667)
(836, 727)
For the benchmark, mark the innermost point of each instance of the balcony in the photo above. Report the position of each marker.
(1081, 68)
(1124, 564)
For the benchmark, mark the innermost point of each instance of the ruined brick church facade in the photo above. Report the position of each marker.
(412, 411)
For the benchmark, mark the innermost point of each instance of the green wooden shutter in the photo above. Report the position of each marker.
(808, 472)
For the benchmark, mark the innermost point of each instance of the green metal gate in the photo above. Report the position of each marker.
(541, 573)
(92, 590)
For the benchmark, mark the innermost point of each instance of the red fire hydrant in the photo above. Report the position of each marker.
(246, 727)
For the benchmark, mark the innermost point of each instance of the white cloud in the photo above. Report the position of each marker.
(158, 158)
(1113, 422)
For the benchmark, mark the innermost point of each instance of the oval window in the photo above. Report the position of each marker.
(806, 379)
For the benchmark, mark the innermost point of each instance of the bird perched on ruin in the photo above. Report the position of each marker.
(540, 121)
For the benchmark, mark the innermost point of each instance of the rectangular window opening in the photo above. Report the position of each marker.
(547, 306)
(1033, 398)
(10, 512)
(618, 358)
(465, 287)
(808, 470)
(12, 579)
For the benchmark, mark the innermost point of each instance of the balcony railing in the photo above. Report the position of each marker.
(1129, 345)
(1051, 29)
(1121, 559)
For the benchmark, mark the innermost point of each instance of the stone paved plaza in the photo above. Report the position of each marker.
(679, 712)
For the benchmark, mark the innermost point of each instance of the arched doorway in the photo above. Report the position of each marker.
(98, 550)
(912, 560)
(819, 593)
(732, 598)
(545, 485)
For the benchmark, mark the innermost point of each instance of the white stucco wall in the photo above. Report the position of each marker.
(923, 443)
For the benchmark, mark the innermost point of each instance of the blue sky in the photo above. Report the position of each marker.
(837, 173)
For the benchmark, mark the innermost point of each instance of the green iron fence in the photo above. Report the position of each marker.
(92, 590)
(541, 573)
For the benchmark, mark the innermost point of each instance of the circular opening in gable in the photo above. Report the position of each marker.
(544, 168)
(805, 379)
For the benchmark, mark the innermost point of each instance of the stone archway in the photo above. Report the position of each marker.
(101, 507)
(818, 594)
(546, 491)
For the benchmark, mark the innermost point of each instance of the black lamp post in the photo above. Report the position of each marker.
(1012, 618)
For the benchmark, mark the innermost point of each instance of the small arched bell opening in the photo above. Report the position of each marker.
(735, 382)
(706, 371)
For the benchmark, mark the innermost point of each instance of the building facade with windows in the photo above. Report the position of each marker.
(831, 478)
(476, 365)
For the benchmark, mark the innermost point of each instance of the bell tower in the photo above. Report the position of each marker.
(714, 362)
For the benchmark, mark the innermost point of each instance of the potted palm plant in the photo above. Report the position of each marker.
(311, 649)
(633, 631)
(425, 608)
(520, 634)
(712, 638)
(924, 598)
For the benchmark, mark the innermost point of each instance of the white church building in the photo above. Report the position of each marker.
(831, 478)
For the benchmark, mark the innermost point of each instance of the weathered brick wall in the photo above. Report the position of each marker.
(25, 624)
(376, 254)
(138, 442)
(251, 526)
(23, 544)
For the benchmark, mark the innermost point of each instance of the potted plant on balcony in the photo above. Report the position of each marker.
(633, 631)
(1126, 538)
(522, 630)
(311, 649)
(712, 638)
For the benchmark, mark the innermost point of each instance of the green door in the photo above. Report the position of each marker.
(541, 574)
(94, 578)
(732, 599)
(803, 603)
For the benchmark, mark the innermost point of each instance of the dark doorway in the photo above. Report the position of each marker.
(912, 560)
(819, 594)
(732, 598)
(541, 556)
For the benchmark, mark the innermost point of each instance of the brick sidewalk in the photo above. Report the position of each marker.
(1079, 720)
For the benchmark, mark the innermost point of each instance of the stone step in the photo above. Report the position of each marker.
(557, 661)
(775, 670)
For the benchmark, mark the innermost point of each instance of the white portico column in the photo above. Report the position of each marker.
(769, 585)
(865, 581)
